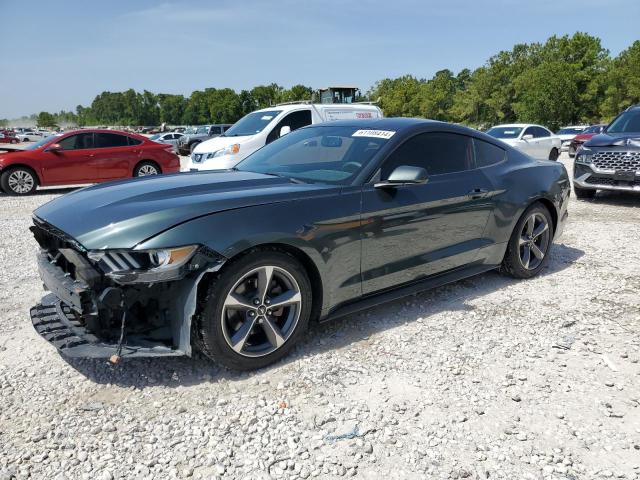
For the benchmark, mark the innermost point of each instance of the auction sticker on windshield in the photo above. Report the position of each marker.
(374, 133)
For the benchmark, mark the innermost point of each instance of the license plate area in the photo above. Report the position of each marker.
(624, 176)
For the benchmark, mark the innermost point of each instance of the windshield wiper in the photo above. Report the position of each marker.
(280, 175)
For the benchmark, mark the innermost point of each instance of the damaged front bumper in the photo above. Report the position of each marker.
(58, 324)
(84, 314)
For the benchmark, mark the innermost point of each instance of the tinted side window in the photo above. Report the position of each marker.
(294, 120)
(487, 153)
(438, 153)
(133, 141)
(216, 130)
(541, 132)
(80, 141)
(108, 140)
(226, 127)
(530, 131)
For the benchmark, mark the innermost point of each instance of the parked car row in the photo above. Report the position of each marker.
(7, 136)
(170, 138)
(194, 136)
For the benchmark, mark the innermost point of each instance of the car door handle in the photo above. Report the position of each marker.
(477, 193)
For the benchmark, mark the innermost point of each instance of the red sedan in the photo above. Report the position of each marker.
(8, 137)
(581, 138)
(81, 157)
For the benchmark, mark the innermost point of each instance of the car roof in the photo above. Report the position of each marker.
(519, 125)
(391, 123)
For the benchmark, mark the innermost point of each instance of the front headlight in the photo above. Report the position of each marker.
(230, 150)
(584, 156)
(143, 266)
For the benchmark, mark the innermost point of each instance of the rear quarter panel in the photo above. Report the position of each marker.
(523, 181)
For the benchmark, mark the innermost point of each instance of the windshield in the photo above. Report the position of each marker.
(190, 130)
(593, 129)
(504, 132)
(328, 154)
(628, 122)
(155, 137)
(42, 142)
(202, 130)
(251, 124)
(570, 131)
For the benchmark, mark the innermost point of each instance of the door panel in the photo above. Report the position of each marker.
(74, 164)
(420, 230)
(115, 158)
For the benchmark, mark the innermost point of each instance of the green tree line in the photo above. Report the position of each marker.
(565, 80)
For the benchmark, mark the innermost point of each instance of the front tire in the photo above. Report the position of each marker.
(528, 249)
(554, 154)
(255, 310)
(19, 181)
(571, 151)
(193, 146)
(584, 193)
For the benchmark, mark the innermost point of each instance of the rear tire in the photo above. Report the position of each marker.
(193, 146)
(18, 181)
(238, 325)
(554, 154)
(528, 248)
(584, 193)
(145, 169)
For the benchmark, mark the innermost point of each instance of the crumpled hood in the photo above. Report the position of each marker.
(615, 140)
(125, 213)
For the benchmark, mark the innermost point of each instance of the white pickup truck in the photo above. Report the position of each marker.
(261, 127)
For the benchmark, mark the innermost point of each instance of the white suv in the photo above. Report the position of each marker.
(261, 127)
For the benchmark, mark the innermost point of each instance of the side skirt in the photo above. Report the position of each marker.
(375, 299)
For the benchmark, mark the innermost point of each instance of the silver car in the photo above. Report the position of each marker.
(169, 138)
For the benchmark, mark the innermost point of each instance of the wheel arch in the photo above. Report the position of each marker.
(552, 210)
(13, 166)
(146, 160)
(308, 264)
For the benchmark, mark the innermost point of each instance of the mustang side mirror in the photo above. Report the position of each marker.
(526, 138)
(284, 130)
(404, 175)
(54, 147)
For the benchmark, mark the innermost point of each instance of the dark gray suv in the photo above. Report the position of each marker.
(611, 160)
(194, 135)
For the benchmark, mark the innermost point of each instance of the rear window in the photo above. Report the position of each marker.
(487, 154)
(504, 132)
(109, 140)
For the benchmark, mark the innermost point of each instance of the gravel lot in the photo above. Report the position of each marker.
(485, 378)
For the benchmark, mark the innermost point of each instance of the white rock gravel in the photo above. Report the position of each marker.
(486, 378)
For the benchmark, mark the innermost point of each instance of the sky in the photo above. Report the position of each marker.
(57, 55)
